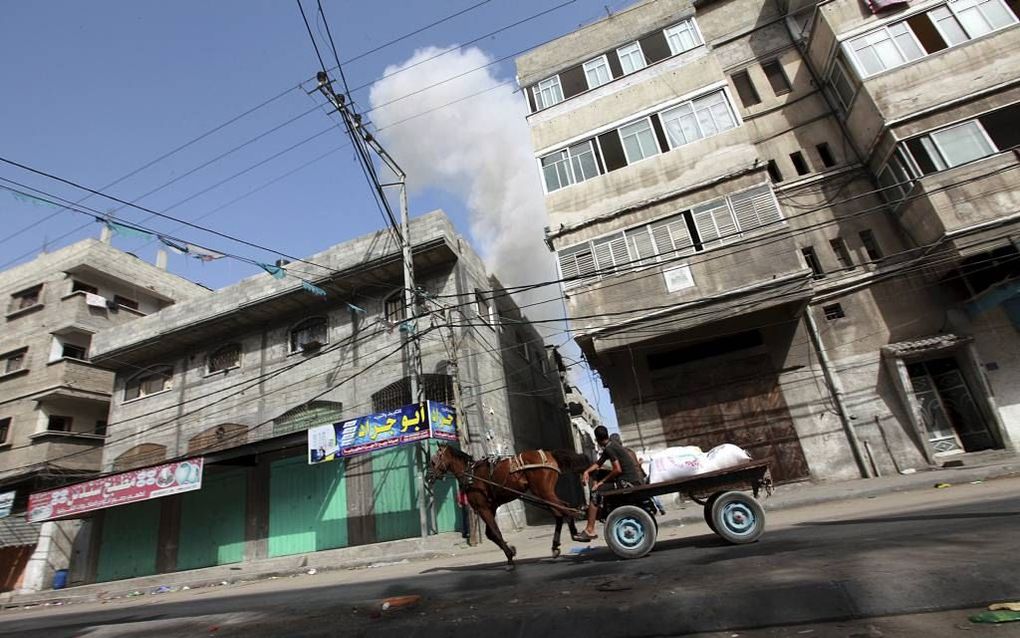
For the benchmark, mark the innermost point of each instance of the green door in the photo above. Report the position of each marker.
(448, 518)
(307, 506)
(395, 494)
(129, 539)
(212, 521)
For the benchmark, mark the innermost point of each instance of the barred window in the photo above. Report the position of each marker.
(309, 334)
(153, 381)
(225, 358)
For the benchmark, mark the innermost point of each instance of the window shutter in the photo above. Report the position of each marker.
(755, 208)
(641, 241)
(714, 222)
(568, 267)
(610, 252)
(576, 263)
(671, 235)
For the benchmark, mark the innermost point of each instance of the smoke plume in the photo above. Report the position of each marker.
(468, 137)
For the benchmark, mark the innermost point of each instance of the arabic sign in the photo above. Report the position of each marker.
(6, 503)
(380, 431)
(117, 489)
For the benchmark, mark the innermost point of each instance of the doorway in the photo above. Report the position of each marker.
(951, 417)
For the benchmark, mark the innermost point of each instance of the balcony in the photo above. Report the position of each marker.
(971, 205)
(77, 311)
(79, 379)
(746, 276)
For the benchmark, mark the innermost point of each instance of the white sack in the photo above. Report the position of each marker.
(726, 455)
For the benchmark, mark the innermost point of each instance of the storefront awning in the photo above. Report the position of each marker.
(16, 532)
(925, 345)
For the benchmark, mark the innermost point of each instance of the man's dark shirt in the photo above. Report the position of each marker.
(631, 470)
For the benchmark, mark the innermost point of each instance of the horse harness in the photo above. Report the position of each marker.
(517, 464)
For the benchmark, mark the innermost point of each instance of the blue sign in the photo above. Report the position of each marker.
(380, 431)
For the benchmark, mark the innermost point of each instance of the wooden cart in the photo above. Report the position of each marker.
(629, 514)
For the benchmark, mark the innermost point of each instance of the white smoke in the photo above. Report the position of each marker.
(472, 142)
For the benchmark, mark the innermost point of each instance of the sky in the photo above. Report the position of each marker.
(94, 91)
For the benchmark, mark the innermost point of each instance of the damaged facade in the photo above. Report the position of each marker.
(237, 378)
(791, 225)
(53, 399)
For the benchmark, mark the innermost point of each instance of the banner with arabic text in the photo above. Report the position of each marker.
(380, 431)
(116, 489)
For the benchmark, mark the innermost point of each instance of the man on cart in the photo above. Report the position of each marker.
(624, 472)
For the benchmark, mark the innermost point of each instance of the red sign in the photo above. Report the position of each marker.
(117, 489)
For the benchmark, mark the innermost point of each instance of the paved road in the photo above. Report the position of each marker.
(896, 555)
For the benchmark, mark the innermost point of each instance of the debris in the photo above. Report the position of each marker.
(909, 470)
(514, 601)
(388, 563)
(223, 582)
(185, 588)
(312, 572)
(1004, 607)
(399, 602)
(942, 486)
(977, 482)
(162, 589)
(612, 586)
(584, 549)
(214, 629)
(806, 631)
(134, 593)
(995, 617)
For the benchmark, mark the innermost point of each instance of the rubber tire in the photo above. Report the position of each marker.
(630, 531)
(738, 518)
(709, 502)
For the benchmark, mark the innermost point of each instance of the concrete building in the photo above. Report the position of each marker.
(791, 225)
(53, 399)
(238, 377)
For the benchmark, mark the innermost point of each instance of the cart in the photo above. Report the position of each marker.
(629, 514)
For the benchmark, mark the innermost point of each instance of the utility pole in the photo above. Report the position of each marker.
(412, 346)
(463, 437)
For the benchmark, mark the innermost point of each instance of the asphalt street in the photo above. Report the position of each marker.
(899, 555)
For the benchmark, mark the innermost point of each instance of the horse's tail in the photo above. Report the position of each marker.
(571, 462)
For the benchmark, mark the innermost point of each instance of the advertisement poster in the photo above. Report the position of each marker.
(6, 503)
(117, 489)
(381, 431)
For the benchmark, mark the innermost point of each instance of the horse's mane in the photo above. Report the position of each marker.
(458, 454)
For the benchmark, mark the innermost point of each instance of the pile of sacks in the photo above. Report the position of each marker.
(688, 460)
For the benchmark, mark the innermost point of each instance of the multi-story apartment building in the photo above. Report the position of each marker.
(788, 225)
(53, 399)
(238, 377)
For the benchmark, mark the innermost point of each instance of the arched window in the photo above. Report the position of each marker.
(152, 381)
(140, 456)
(218, 437)
(309, 334)
(225, 358)
(393, 309)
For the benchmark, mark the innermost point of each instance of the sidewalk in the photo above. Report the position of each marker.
(447, 548)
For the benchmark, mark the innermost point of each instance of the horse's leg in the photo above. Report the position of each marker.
(493, 534)
(546, 490)
(556, 536)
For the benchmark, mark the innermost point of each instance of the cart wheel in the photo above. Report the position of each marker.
(630, 531)
(709, 502)
(738, 518)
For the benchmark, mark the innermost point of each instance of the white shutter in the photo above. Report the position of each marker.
(671, 235)
(755, 208)
(641, 242)
(715, 223)
(611, 252)
(568, 266)
(706, 227)
(576, 263)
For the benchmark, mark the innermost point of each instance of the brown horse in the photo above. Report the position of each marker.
(489, 483)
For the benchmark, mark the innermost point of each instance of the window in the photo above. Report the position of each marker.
(641, 244)
(482, 307)
(895, 178)
(745, 89)
(799, 164)
(14, 361)
(80, 286)
(870, 245)
(5, 429)
(59, 423)
(967, 141)
(631, 58)
(125, 302)
(755, 208)
(72, 351)
(672, 236)
(776, 76)
(393, 309)
(100, 428)
(694, 120)
(825, 154)
(842, 85)
(682, 37)
(774, 173)
(833, 311)
(225, 358)
(715, 223)
(569, 166)
(610, 253)
(157, 379)
(548, 92)
(979, 17)
(638, 141)
(812, 261)
(842, 254)
(576, 264)
(885, 48)
(960, 144)
(597, 72)
(25, 299)
(310, 334)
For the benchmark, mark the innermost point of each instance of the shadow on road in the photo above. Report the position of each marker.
(906, 519)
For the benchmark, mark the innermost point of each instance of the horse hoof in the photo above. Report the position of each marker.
(556, 552)
(513, 551)
(510, 567)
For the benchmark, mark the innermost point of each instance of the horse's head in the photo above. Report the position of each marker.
(445, 460)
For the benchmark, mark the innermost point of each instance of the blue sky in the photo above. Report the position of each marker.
(93, 90)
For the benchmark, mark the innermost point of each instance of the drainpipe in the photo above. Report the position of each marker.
(837, 394)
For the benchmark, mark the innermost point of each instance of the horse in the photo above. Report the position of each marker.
(491, 482)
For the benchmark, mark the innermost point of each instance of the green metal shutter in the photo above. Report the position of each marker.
(130, 535)
(212, 521)
(448, 516)
(307, 506)
(395, 495)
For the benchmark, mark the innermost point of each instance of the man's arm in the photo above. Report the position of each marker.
(594, 466)
(613, 473)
